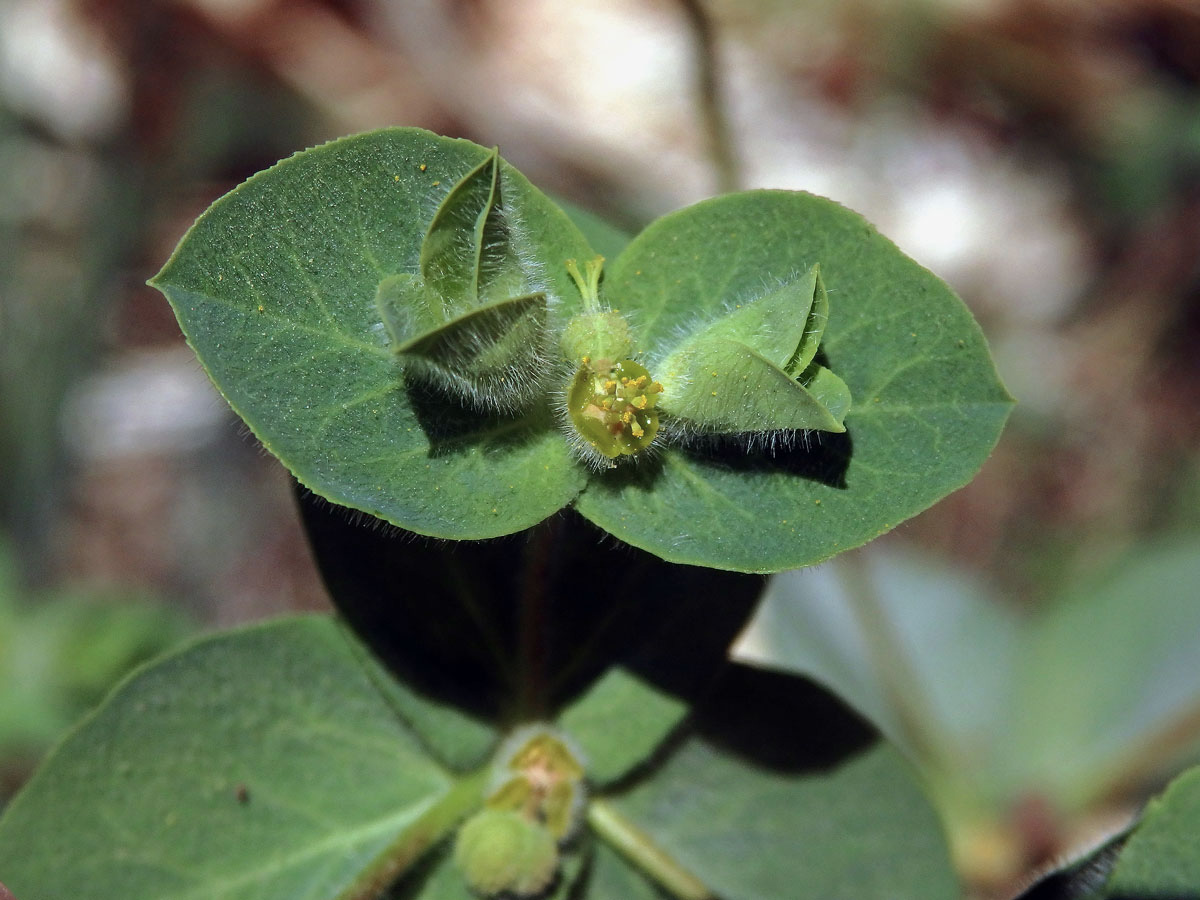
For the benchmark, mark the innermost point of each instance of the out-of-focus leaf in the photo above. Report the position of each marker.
(61, 651)
(1098, 693)
(1109, 678)
(921, 651)
(611, 878)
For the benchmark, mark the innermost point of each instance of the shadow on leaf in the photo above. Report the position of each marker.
(780, 721)
(451, 427)
(512, 629)
(821, 456)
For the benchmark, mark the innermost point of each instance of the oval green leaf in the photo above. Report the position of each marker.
(187, 783)
(860, 830)
(928, 406)
(275, 288)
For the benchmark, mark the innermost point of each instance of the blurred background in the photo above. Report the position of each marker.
(1042, 156)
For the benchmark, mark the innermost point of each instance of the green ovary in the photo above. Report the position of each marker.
(611, 405)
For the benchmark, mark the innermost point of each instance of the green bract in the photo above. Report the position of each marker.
(538, 774)
(750, 370)
(467, 323)
(397, 317)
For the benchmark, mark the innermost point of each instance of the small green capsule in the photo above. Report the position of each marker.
(604, 335)
(501, 851)
(597, 331)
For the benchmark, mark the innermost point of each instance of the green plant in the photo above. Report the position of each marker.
(752, 384)
(61, 651)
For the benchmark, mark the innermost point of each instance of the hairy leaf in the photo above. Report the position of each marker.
(1160, 858)
(467, 255)
(927, 405)
(775, 325)
(275, 287)
(718, 386)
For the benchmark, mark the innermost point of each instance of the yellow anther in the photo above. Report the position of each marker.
(610, 387)
(641, 382)
(586, 360)
(639, 402)
(606, 403)
(636, 430)
(627, 416)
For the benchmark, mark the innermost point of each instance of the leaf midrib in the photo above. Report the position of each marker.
(341, 839)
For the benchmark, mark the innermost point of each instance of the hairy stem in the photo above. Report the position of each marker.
(637, 847)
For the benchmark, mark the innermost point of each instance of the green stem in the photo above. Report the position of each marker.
(892, 671)
(637, 847)
(426, 832)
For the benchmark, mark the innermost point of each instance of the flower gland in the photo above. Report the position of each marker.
(611, 406)
(542, 778)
